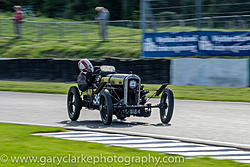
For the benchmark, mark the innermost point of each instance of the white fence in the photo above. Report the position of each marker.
(86, 30)
(117, 30)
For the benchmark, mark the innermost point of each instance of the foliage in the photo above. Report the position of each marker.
(185, 9)
(74, 9)
(124, 9)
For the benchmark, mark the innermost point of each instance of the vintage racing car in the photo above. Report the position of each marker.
(122, 95)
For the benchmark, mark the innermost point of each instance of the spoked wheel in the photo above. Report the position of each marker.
(166, 105)
(106, 108)
(74, 103)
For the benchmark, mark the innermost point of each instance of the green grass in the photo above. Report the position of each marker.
(180, 92)
(35, 87)
(31, 48)
(16, 140)
(210, 93)
(25, 48)
(28, 48)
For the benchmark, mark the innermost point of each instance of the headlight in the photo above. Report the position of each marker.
(132, 84)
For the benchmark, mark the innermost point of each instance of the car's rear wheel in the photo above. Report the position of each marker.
(74, 103)
(166, 105)
(106, 107)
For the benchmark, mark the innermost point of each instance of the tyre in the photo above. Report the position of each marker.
(106, 107)
(74, 103)
(166, 105)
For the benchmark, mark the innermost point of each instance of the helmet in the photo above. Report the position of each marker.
(85, 65)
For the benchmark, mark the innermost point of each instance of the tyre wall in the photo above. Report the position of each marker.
(185, 71)
(154, 71)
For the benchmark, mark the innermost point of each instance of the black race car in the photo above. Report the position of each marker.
(121, 95)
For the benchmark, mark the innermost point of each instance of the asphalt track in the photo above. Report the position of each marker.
(225, 122)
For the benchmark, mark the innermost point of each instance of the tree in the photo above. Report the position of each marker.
(54, 8)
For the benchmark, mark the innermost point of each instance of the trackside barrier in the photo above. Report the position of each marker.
(248, 72)
(187, 71)
(153, 71)
(210, 72)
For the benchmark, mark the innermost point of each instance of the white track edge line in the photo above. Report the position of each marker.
(155, 136)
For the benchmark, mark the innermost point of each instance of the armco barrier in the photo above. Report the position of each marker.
(153, 71)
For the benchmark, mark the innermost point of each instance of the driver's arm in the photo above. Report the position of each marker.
(82, 82)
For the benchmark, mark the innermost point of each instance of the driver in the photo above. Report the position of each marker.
(86, 77)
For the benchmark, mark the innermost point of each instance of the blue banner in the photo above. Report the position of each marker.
(197, 43)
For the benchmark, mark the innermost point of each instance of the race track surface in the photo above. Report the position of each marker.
(206, 120)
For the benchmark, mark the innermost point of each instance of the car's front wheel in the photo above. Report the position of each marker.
(74, 103)
(166, 105)
(106, 107)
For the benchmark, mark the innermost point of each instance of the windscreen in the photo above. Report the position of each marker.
(107, 68)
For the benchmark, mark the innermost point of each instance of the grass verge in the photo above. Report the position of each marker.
(25, 48)
(128, 47)
(180, 92)
(17, 141)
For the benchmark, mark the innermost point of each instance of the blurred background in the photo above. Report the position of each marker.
(75, 19)
(69, 29)
(128, 10)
